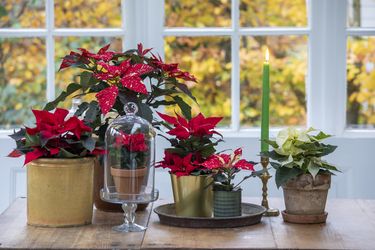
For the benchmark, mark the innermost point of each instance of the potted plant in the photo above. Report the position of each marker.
(116, 78)
(192, 144)
(302, 173)
(59, 155)
(227, 195)
(133, 152)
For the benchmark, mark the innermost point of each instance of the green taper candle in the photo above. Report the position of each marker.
(265, 126)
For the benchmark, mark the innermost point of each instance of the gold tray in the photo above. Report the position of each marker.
(251, 214)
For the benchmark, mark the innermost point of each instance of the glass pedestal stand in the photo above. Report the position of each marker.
(130, 206)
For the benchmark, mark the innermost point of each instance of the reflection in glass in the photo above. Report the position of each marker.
(361, 13)
(197, 13)
(22, 14)
(22, 79)
(273, 13)
(209, 59)
(360, 112)
(63, 46)
(288, 67)
(88, 14)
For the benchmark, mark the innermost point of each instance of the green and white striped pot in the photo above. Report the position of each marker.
(227, 203)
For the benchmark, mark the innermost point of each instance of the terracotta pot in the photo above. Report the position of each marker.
(98, 185)
(60, 192)
(128, 182)
(227, 203)
(192, 195)
(307, 197)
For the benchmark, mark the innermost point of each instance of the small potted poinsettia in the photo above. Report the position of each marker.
(59, 156)
(227, 195)
(302, 173)
(133, 153)
(116, 78)
(192, 143)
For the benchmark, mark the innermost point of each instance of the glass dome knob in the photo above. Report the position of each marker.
(130, 108)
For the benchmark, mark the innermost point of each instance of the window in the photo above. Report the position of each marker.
(322, 55)
(35, 35)
(361, 64)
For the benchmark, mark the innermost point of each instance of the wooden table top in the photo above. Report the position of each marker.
(350, 225)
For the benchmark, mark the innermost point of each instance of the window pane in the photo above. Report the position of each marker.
(197, 13)
(208, 58)
(361, 13)
(88, 14)
(22, 79)
(361, 82)
(261, 13)
(288, 60)
(22, 14)
(63, 46)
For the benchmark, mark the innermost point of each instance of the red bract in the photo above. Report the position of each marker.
(50, 125)
(140, 50)
(133, 142)
(102, 54)
(198, 126)
(107, 98)
(180, 166)
(129, 74)
(227, 161)
(172, 69)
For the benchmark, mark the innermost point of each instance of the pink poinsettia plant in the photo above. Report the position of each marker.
(55, 136)
(192, 141)
(224, 168)
(116, 78)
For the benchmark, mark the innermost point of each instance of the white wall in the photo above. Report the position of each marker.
(353, 156)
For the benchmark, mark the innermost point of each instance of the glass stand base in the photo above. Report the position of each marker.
(129, 228)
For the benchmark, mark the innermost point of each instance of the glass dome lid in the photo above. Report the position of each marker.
(129, 161)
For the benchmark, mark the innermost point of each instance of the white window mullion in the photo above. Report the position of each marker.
(123, 23)
(235, 79)
(326, 85)
(50, 50)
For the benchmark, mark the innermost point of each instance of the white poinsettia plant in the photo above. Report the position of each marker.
(297, 152)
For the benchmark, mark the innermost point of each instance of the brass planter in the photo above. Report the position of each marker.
(60, 192)
(192, 195)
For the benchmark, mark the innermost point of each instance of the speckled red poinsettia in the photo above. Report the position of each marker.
(55, 136)
(132, 142)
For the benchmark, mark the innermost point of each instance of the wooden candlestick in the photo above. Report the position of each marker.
(265, 177)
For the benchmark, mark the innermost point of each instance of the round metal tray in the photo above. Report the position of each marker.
(251, 214)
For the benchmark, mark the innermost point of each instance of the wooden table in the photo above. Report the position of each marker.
(350, 225)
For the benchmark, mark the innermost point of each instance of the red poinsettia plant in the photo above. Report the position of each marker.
(55, 136)
(193, 142)
(116, 78)
(132, 150)
(224, 168)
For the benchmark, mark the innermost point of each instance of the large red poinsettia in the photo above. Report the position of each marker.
(198, 126)
(55, 135)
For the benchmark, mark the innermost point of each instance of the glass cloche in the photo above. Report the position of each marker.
(129, 165)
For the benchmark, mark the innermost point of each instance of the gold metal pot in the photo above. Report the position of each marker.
(192, 195)
(60, 192)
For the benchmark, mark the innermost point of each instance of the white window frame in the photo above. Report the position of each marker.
(143, 21)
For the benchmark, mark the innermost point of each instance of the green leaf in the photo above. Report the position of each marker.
(87, 79)
(321, 136)
(92, 112)
(81, 109)
(272, 143)
(275, 165)
(66, 154)
(145, 112)
(73, 87)
(186, 91)
(313, 168)
(285, 174)
(89, 144)
(20, 134)
(274, 155)
(31, 140)
(185, 108)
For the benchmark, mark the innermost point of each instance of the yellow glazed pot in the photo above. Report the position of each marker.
(60, 192)
(192, 195)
